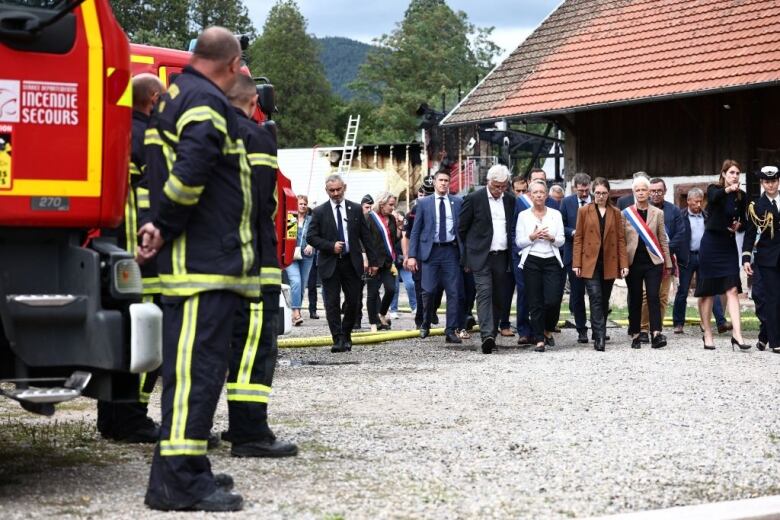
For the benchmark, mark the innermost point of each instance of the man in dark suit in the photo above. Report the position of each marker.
(763, 236)
(569, 208)
(434, 242)
(337, 230)
(484, 230)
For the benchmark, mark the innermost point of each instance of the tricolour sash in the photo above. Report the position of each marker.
(385, 235)
(525, 201)
(641, 228)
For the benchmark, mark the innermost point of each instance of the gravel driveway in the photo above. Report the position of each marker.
(418, 429)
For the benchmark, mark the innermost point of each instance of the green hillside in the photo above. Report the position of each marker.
(342, 58)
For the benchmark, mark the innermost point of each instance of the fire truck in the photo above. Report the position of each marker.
(71, 317)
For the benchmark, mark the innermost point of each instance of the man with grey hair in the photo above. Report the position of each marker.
(693, 217)
(484, 228)
(337, 230)
(569, 209)
(556, 192)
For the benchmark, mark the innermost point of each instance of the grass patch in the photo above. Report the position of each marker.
(30, 448)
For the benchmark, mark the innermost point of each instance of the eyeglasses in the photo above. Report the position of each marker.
(521, 191)
(600, 193)
(657, 192)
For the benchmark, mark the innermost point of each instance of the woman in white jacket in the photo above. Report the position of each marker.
(539, 234)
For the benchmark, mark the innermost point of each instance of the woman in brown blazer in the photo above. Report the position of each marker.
(646, 263)
(599, 255)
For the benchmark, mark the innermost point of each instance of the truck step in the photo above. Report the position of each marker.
(71, 389)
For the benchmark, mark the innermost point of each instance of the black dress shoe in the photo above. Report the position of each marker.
(599, 345)
(451, 337)
(149, 433)
(487, 345)
(347, 345)
(470, 322)
(761, 345)
(636, 342)
(435, 320)
(269, 448)
(223, 481)
(338, 346)
(582, 336)
(550, 341)
(314, 316)
(725, 328)
(424, 332)
(219, 500)
(659, 341)
(644, 337)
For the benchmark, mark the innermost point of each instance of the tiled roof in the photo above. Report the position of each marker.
(590, 53)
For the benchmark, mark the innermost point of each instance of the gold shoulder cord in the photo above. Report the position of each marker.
(762, 223)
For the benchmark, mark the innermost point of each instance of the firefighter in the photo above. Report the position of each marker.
(202, 234)
(254, 348)
(129, 422)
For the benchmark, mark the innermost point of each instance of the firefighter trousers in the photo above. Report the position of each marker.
(196, 341)
(253, 359)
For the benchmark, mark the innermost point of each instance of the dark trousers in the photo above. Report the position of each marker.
(442, 269)
(758, 293)
(577, 299)
(503, 322)
(196, 344)
(344, 278)
(311, 285)
(420, 315)
(383, 278)
(251, 371)
(491, 283)
(523, 326)
(649, 276)
(542, 277)
(469, 295)
(681, 298)
(770, 278)
(118, 420)
(599, 290)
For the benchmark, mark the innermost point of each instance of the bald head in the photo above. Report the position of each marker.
(217, 44)
(146, 89)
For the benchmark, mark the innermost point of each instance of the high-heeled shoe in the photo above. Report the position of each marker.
(742, 346)
(707, 347)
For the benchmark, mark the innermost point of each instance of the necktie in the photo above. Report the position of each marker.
(340, 225)
(774, 205)
(442, 221)
(582, 202)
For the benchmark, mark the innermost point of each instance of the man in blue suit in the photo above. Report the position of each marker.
(434, 242)
(569, 207)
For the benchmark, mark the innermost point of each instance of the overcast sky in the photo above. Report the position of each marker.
(367, 19)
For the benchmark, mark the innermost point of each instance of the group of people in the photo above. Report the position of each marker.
(512, 236)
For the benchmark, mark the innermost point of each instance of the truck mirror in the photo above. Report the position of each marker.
(266, 99)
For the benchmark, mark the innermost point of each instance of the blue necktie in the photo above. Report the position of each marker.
(442, 221)
(340, 225)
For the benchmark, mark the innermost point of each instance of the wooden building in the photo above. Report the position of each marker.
(670, 87)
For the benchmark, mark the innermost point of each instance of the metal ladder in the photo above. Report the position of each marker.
(345, 164)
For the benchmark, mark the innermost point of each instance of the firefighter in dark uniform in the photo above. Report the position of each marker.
(254, 349)
(129, 422)
(202, 234)
(763, 237)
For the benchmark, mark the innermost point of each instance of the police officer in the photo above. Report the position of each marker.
(254, 348)
(202, 234)
(129, 422)
(763, 237)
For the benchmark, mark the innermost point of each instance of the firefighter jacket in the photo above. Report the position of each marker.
(200, 187)
(261, 154)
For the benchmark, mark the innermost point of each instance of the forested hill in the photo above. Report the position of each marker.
(341, 58)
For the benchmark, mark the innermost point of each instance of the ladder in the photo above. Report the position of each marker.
(349, 144)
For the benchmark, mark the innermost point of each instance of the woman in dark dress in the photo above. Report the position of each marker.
(719, 257)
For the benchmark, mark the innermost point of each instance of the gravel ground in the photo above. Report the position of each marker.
(418, 429)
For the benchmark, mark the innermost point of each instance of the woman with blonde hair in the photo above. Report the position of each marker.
(647, 247)
(718, 255)
(599, 255)
(384, 232)
(298, 270)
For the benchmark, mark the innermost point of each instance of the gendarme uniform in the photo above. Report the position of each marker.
(201, 197)
(129, 421)
(254, 347)
(762, 246)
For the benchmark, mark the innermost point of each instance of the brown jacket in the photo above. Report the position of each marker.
(655, 221)
(587, 242)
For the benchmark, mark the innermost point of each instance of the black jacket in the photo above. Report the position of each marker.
(767, 248)
(383, 259)
(717, 198)
(201, 191)
(475, 228)
(323, 234)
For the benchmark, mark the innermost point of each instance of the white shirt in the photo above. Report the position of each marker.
(343, 211)
(582, 202)
(776, 199)
(498, 216)
(527, 223)
(448, 210)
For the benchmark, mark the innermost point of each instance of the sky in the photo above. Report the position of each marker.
(365, 20)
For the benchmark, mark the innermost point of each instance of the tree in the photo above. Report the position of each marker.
(231, 14)
(289, 58)
(433, 51)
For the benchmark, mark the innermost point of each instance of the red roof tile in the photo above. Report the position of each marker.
(590, 53)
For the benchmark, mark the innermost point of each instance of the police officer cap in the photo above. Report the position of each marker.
(768, 173)
(367, 199)
(427, 186)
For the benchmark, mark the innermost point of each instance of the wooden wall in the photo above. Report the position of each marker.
(687, 136)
